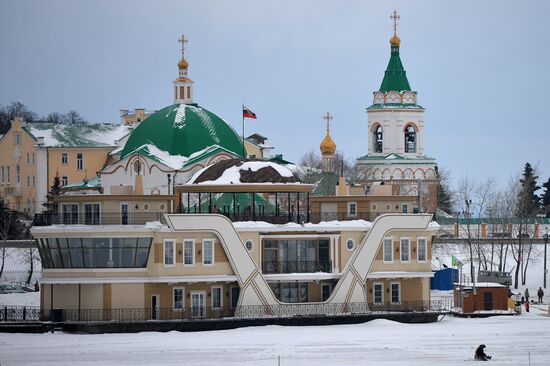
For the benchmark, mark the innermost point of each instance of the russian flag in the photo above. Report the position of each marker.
(247, 113)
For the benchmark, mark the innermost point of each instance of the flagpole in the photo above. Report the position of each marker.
(244, 150)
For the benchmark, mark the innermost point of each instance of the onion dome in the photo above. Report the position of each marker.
(395, 41)
(328, 147)
(183, 64)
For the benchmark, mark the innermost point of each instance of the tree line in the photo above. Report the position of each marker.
(18, 109)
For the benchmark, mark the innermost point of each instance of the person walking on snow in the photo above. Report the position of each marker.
(527, 294)
(540, 294)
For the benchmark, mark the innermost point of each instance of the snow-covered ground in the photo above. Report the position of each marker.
(511, 340)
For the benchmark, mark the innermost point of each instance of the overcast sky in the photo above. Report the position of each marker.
(481, 68)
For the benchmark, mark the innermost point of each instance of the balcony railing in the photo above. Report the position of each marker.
(271, 267)
(105, 218)
(17, 314)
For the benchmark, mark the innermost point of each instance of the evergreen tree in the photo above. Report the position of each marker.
(545, 198)
(55, 190)
(444, 199)
(528, 201)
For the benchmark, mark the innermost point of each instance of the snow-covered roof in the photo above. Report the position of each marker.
(353, 225)
(78, 134)
(235, 171)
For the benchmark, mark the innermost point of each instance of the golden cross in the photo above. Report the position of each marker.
(183, 41)
(328, 117)
(395, 17)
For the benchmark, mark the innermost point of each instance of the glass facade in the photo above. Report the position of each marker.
(94, 252)
(296, 256)
(290, 292)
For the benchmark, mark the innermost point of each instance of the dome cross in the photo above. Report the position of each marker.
(395, 17)
(183, 41)
(328, 117)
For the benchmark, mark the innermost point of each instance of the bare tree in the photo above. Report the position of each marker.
(31, 259)
(463, 201)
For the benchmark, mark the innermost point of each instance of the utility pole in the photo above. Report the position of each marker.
(545, 245)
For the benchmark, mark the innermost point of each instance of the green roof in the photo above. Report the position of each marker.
(395, 77)
(393, 157)
(278, 158)
(395, 106)
(182, 130)
(92, 183)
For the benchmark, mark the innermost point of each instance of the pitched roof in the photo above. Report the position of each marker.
(78, 134)
(395, 77)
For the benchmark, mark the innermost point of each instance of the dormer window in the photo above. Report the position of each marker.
(410, 139)
(378, 139)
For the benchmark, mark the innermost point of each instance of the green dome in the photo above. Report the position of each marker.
(183, 129)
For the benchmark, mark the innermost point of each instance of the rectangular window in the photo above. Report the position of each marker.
(64, 158)
(3, 175)
(33, 181)
(33, 161)
(182, 92)
(395, 293)
(405, 250)
(378, 293)
(216, 297)
(8, 174)
(352, 209)
(405, 208)
(28, 181)
(17, 174)
(169, 250)
(208, 252)
(178, 298)
(421, 249)
(79, 161)
(124, 213)
(388, 250)
(64, 180)
(188, 92)
(28, 159)
(91, 214)
(188, 252)
(16, 138)
(70, 213)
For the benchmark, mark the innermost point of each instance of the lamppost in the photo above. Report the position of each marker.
(545, 237)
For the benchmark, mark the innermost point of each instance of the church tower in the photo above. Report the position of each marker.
(328, 148)
(396, 131)
(183, 86)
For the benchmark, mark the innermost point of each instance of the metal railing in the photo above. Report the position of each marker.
(105, 218)
(270, 267)
(35, 314)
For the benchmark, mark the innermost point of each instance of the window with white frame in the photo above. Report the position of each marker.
(8, 174)
(3, 175)
(352, 208)
(405, 249)
(169, 251)
(178, 298)
(422, 249)
(208, 251)
(405, 208)
(378, 293)
(17, 138)
(64, 180)
(28, 159)
(33, 181)
(28, 181)
(249, 245)
(188, 252)
(388, 250)
(17, 174)
(216, 297)
(64, 158)
(350, 244)
(79, 161)
(33, 160)
(395, 293)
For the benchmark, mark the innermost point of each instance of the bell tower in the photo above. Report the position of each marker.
(328, 147)
(183, 86)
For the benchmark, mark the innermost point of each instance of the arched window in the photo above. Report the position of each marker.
(378, 139)
(410, 139)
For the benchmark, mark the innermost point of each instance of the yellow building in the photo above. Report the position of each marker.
(32, 154)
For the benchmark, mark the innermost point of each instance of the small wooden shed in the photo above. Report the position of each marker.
(488, 296)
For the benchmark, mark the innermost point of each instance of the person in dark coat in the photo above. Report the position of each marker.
(540, 294)
(480, 354)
